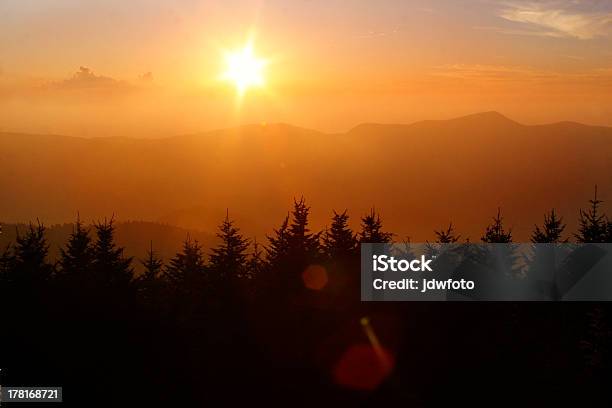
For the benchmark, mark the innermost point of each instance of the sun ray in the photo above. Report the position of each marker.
(244, 69)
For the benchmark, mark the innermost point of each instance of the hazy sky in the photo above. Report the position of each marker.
(151, 67)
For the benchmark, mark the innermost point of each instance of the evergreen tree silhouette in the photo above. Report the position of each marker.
(503, 259)
(186, 270)
(447, 236)
(303, 244)
(152, 266)
(77, 257)
(371, 229)
(405, 249)
(6, 260)
(151, 284)
(551, 231)
(228, 260)
(278, 246)
(339, 241)
(111, 267)
(495, 232)
(29, 263)
(256, 263)
(292, 249)
(443, 236)
(6, 263)
(592, 225)
(211, 342)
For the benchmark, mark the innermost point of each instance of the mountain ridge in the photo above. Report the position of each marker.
(491, 117)
(421, 176)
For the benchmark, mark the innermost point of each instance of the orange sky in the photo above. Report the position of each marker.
(151, 67)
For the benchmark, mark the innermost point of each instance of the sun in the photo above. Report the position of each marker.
(244, 69)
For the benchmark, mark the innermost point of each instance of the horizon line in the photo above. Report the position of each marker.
(491, 113)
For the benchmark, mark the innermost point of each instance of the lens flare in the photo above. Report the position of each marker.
(364, 366)
(244, 69)
(315, 277)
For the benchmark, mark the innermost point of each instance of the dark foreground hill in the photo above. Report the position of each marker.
(419, 176)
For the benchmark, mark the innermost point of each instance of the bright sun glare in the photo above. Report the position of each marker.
(244, 69)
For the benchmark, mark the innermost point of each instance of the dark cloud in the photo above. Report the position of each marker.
(85, 78)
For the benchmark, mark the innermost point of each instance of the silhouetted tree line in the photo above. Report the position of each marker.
(99, 262)
(197, 317)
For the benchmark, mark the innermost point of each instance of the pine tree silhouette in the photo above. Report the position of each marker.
(495, 232)
(503, 259)
(403, 249)
(339, 241)
(371, 229)
(278, 247)
(6, 260)
(111, 267)
(303, 244)
(443, 236)
(186, 270)
(292, 249)
(256, 263)
(551, 231)
(447, 236)
(77, 258)
(29, 263)
(199, 333)
(152, 266)
(150, 283)
(228, 260)
(6, 263)
(593, 226)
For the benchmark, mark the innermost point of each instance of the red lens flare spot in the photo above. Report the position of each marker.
(315, 277)
(362, 367)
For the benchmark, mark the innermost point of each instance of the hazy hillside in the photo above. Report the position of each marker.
(419, 176)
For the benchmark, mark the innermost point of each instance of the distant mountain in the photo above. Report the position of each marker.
(420, 176)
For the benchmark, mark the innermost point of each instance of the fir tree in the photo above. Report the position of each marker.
(6, 260)
(593, 226)
(495, 232)
(443, 236)
(152, 266)
(551, 231)
(255, 263)
(228, 260)
(77, 258)
(502, 259)
(303, 244)
(404, 249)
(151, 284)
(29, 259)
(186, 269)
(339, 241)
(278, 247)
(447, 236)
(111, 267)
(6, 263)
(371, 229)
(293, 248)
